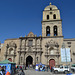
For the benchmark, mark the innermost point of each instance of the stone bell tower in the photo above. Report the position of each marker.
(51, 23)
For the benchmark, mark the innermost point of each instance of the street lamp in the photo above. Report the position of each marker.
(63, 47)
(47, 45)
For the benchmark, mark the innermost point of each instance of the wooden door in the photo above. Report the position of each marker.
(51, 62)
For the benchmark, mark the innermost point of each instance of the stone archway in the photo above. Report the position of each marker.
(10, 59)
(29, 61)
(51, 62)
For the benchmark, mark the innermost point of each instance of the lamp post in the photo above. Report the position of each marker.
(63, 46)
(47, 45)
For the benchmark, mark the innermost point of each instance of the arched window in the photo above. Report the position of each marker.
(47, 17)
(11, 51)
(55, 31)
(51, 50)
(54, 16)
(47, 31)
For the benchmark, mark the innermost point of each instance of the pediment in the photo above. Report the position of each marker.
(30, 34)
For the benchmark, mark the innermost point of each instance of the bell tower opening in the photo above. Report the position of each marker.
(50, 8)
(55, 30)
(51, 17)
(47, 31)
(54, 16)
(47, 17)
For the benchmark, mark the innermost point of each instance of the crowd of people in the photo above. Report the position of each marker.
(45, 68)
(2, 69)
(19, 69)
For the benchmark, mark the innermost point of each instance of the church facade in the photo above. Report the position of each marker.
(45, 49)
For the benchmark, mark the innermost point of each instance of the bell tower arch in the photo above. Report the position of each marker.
(51, 23)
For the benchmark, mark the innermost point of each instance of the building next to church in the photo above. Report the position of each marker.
(46, 48)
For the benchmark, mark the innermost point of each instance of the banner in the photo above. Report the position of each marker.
(65, 55)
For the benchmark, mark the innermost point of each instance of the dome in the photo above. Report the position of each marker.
(51, 7)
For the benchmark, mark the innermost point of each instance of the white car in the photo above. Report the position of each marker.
(73, 68)
(64, 69)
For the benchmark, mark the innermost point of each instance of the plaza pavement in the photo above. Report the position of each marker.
(33, 72)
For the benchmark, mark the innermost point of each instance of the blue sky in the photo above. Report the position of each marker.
(19, 17)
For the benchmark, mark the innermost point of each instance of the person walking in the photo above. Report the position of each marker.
(47, 68)
(21, 73)
(3, 71)
(51, 68)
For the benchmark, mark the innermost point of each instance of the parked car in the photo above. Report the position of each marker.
(64, 69)
(73, 68)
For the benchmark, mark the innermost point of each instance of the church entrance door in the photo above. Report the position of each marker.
(29, 60)
(51, 62)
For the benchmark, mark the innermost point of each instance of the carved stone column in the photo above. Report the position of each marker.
(25, 44)
(35, 43)
(35, 58)
(51, 31)
(19, 52)
(14, 58)
(40, 48)
(24, 59)
(14, 55)
(40, 43)
(20, 44)
(6, 53)
(40, 57)
(18, 58)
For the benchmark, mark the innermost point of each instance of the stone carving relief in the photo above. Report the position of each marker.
(11, 48)
(51, 43)
(51, 47)
(12, 44)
